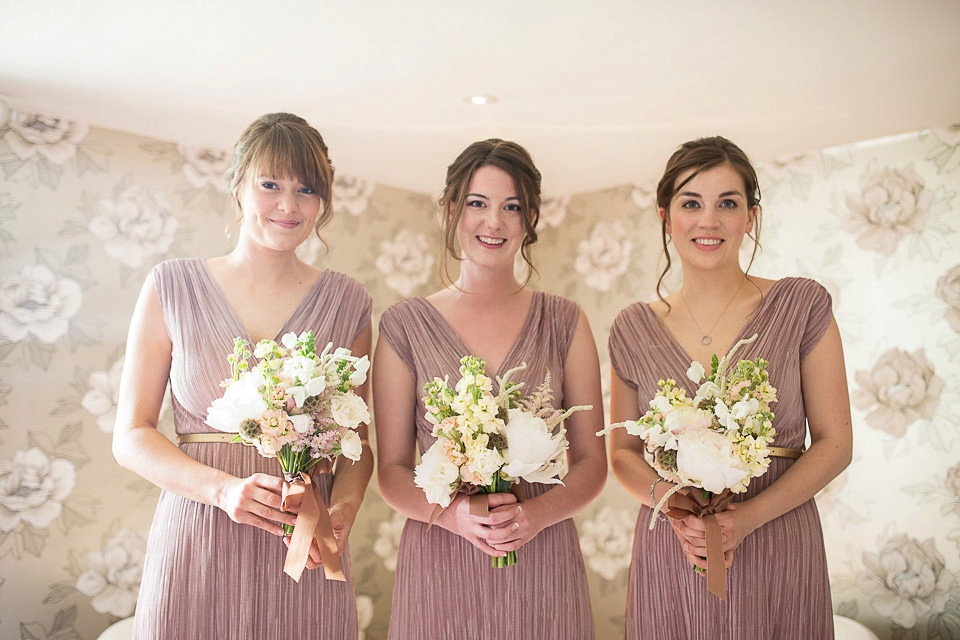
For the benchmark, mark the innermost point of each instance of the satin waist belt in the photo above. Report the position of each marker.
(780, 452)
(205, 437)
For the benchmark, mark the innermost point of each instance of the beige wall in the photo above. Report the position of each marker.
(85, 213)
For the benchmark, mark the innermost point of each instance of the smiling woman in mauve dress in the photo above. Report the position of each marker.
(445, 586)
(215, 555)
(776, 582)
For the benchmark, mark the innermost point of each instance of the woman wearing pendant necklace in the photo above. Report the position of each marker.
(445, 586)
(776, 581)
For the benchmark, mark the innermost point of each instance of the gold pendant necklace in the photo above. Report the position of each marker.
(705, 338)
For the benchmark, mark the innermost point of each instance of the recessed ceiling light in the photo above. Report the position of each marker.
(481, 99)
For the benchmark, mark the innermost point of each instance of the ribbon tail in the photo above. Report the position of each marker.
(716, 570)
(478, 505)
(327, 542)
(313, 522)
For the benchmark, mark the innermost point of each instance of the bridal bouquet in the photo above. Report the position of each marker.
(716, 441)
(485, 442)
(294, 404)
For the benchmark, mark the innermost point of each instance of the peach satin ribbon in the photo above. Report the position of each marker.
(313, 523)
(681, 505)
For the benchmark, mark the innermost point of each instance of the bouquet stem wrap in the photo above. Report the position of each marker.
(313, 523)
(705, 505)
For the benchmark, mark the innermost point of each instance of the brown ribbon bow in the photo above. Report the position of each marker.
(313, 523)
(705, 505)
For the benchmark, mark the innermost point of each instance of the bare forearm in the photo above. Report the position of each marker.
(351, 480)
(580, 487)
(820, 464)
(148, 453)
(633, 473)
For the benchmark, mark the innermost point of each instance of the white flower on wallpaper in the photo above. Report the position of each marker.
(55, 139)
(948, 290)
(644, 196)
(351, 194)
(205, 167)
(38, 302)
(311, 249)
(606, 540)
(364, 615)
(553, 210)
(135, 226)
(899, 390)
(906, 580)
(795, 172)
(406, 261)
(101, 399)
(952, 484)
(388, 540)
(112, 576)
(33, 487)
(604, 256)
(893, 204)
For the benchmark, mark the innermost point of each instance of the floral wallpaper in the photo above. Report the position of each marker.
(86, 212)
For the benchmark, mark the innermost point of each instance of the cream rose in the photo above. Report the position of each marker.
(349, 410)
(436, 475)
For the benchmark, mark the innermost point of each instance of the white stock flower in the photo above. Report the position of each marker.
(708, 459)
(530, 447)
(696, 371)
(359, 375)
(112, 576)
(300, 369)
(349, 410)
(708, 390)
(55, 139)
(37, 301)
(135, 226)
(352, 194)
(205, 167)
(240, 401)
(406, 261)
(604, 256)
(607, 541)
(101, 399)
(351, 446)
(435, 475)
(32, 488)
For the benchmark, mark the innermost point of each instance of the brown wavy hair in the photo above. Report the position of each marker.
(513, 160)
(283, 145)
(697, 156)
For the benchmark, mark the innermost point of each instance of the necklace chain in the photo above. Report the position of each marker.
(705, 338)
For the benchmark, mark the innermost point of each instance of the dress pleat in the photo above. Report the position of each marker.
(205, 576)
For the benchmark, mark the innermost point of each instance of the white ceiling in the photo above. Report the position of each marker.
(600, 92)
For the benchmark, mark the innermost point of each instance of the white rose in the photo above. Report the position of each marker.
(36, 301)
(351, 446)
(707, 459)
(349, 410)
(241, 401)
(436, 475)
(530, 447)
(32, 488)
